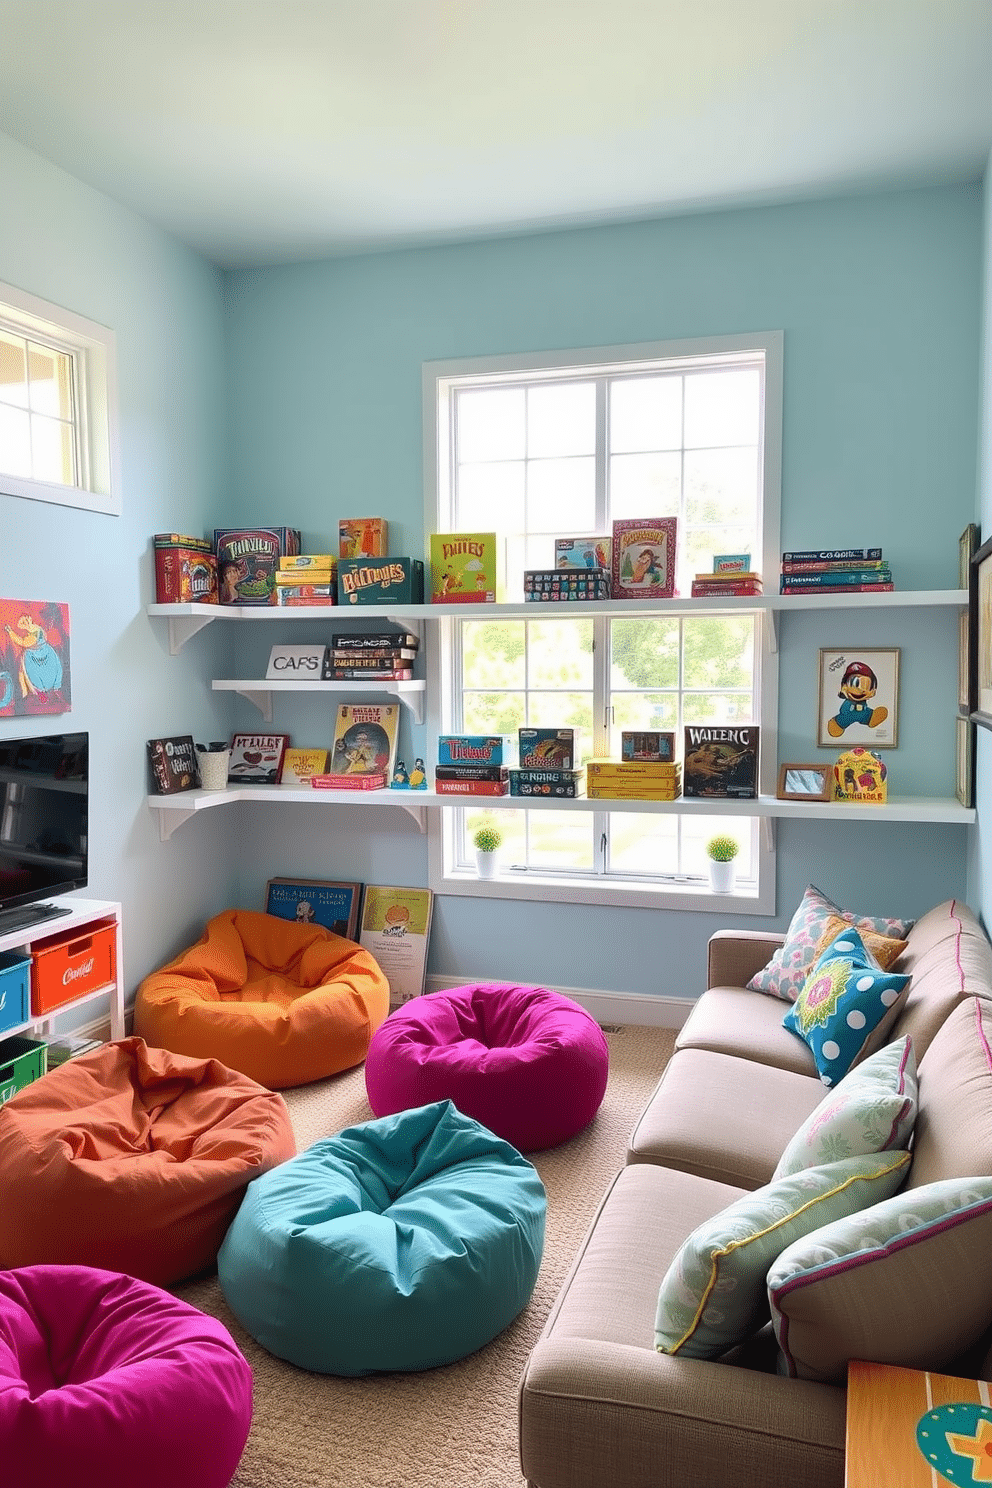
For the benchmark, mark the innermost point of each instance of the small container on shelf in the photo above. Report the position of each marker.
(67, 966)
(21, 1061)
(15, 989)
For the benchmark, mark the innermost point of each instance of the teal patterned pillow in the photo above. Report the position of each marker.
(715, 1293)
(873, 1109)
(843, 1000)
(787, 970)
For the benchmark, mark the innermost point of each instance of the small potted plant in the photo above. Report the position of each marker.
(721, 852)
(487, 842)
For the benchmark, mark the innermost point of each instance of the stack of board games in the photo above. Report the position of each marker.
(556, 584)
(472, 765)
(307, 579)
(463, 567)
(368, 656)
(363, 755)
(732, 574)
(247, 560)
(835, 571)
(257, 759)
(633, 780)
(363, 537)
(185, 569)
(643, 557)
(378, 581)
(721, 761)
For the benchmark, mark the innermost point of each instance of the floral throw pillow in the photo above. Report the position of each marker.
(843, 1000)
(789, 967)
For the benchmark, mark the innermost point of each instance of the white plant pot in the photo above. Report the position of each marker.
(486, 863)
(721, 876)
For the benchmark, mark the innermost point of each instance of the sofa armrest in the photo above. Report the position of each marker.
(733, 956)
(593, 1412)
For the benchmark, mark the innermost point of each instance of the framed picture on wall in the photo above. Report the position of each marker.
(966, 669)
(980, 610)
(965, 783)
(859, 697)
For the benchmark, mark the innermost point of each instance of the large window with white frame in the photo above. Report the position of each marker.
(562, 444)
(58, 408)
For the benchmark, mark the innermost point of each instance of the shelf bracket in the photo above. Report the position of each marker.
(770, 629)
(419, 813)
(169, 821)
(182, 628)
(768, 825)
(262, 700)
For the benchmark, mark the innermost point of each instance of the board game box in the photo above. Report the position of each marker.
(721, 761)
(546, 748)
(185, 569)
(380, 581)
(363, 537)
(463, 567)
(555, 585)
(173, 764)
(299, 765)
(569, 783)
(365, 739)
(475, 749)
(647, 744)
(583, 552)
(247, 559)
(644, 557)
(256, 759)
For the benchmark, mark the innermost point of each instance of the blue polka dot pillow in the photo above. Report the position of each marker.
(841, 1004)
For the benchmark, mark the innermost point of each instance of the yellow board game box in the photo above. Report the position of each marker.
(463, 568)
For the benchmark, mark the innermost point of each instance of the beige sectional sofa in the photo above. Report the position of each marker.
(601, 1407)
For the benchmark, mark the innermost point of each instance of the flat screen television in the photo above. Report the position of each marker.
(44, 824)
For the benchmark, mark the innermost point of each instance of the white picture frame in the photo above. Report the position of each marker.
(858, 697)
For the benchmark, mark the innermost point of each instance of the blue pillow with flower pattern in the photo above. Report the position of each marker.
(842, 1002)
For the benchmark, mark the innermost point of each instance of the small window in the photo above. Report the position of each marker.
(57, 405)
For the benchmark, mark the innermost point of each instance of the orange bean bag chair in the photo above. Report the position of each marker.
(282, 1002)
(133, 1159)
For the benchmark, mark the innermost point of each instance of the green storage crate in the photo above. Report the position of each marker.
(21, 1061)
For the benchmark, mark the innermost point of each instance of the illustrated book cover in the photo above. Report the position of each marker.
(395, 926)
(721, 761)
(644, 557)
(300, 764)
(173, 764)
(366, 736)
(463, 567)
(316, 901)
(256, 759)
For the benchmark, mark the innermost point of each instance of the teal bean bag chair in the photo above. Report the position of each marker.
(399, 1244)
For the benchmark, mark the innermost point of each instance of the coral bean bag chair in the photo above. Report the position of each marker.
(399, 1244)
(106, 1382)
(530, 1064)
(133, 1159)
(284, 1003)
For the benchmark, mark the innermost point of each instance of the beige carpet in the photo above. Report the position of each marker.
(454, 1427)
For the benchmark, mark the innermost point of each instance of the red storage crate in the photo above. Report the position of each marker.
(69, 965)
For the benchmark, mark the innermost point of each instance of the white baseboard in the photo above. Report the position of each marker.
(606, 1007)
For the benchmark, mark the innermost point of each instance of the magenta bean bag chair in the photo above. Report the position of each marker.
(527, 1063)
(109, 1382)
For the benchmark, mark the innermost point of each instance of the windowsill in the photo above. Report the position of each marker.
(527, 885)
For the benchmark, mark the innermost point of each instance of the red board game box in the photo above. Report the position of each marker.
(185, 569)
(644, 557)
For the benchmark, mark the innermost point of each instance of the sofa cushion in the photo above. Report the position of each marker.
(872, 1109)
(885, 948)
(905, 1282)
(714, 1292)
(787, 970)
(732, 1020)
(949, 959)
(843, 1001)
(953, 1136)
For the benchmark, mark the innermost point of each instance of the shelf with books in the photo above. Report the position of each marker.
(410, 694)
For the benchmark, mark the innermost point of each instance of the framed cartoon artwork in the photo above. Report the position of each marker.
(35, 674)
(965, 773)
(980, 610)
(859, 697)
(803, 782)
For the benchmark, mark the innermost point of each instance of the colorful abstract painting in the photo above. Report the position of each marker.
(35, 676)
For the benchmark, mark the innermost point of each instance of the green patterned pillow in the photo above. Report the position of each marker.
(787, 970)
(873, 1109)
(714, 1293)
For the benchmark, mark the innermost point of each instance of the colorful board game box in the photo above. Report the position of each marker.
(557, 584)
(256, 759)
(647, 744)
(373, 581)
(300, 764)
(569, 783)
(173, 764)
(247, 559)
(475, 749)
(463, 567)
(583, 552)
(185, 569)
(546, 748)
(721, 761)
(363, 537)
(365, 739)
(644, 557)
(472, 787)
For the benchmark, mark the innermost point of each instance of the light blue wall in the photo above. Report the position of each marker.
(879, 301)
(980, 881)
(67, 244)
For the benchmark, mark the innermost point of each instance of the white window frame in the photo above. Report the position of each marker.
(93, 348)
(445, 825)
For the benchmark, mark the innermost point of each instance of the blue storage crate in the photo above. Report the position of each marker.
(15, 989)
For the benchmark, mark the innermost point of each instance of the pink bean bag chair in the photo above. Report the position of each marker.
(527, 1063)
(108, 1382)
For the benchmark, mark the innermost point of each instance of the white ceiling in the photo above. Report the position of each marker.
(270, 131)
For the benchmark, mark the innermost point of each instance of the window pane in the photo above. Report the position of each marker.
(491, 424)
(697, 831)
(645, 485)
(561, 419)
(722, 486)
(51, 451)
(13, 371)
(493, 654)
(561, 497)
(559, 654)
(560, 840)
(641, 710)
(50, 381)
(719, 652)
(700, 545)
(564, 710)
(721, 408)
(15, 441)
(645, 414)
(645, 653)
(493, 712)
(487, 490)
(643, 844)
